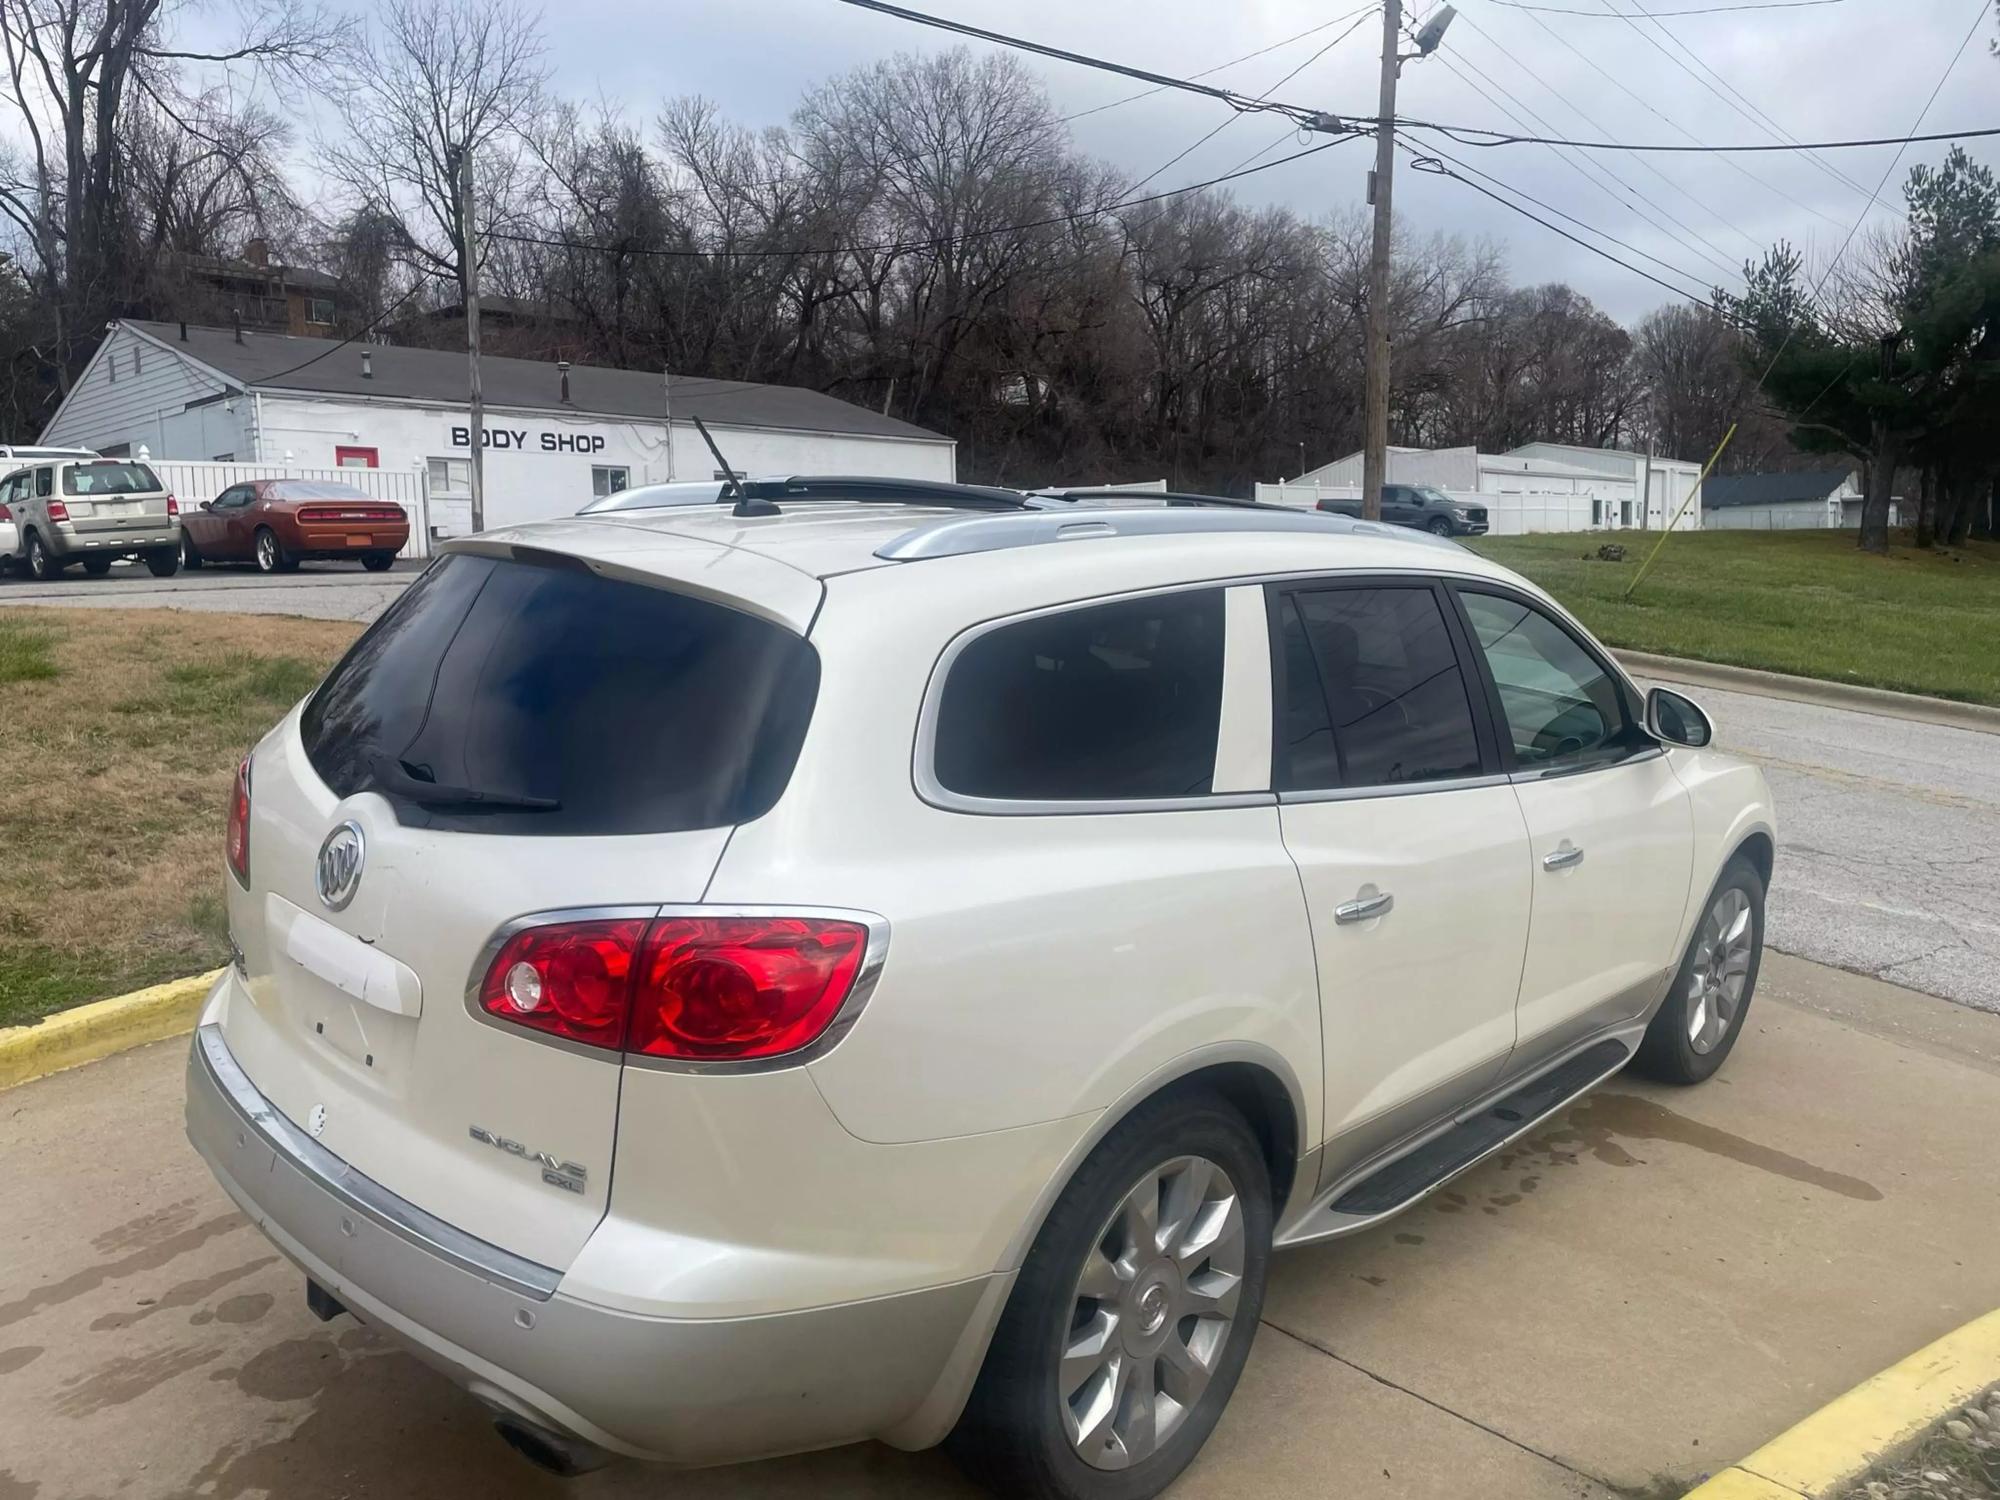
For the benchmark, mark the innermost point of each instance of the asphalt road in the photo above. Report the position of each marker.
(1888, 841)
(1889, 830)
(1636, 1294)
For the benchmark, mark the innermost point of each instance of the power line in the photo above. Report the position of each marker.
(1767, 124)
(927, 242)
(1220, 67)
(1649, 107)
(1718, 256)
(1707, 10)
(1229, 120)
(1325, 119)
(1433, 150)
(362, 332)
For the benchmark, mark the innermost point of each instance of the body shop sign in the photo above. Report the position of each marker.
(524, 440)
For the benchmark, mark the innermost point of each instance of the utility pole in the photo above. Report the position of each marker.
(667, 407)
(478, 402)
(1375, 398)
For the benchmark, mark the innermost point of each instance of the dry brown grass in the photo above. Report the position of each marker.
(116, 779)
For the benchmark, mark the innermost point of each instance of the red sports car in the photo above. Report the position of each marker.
(275, 523)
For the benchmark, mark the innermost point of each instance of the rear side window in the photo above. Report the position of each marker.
(1373, 692)
(109, 479)
(1112, 702)
(530, 697)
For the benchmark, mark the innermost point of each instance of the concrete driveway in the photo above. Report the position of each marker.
(1633, 1297)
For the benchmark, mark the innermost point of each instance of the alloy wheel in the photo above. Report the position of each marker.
(267, 552)
(1720, 970)
(1152, 1312)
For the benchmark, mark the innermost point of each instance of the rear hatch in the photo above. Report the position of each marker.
(111, 496)
(618, 730)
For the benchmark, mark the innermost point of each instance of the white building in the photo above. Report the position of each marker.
(1818, 499)
(551, 444)
(1536, 487)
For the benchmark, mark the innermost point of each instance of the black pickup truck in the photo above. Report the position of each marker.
(1421, 507)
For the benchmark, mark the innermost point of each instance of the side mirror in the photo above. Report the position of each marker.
(1677, 720)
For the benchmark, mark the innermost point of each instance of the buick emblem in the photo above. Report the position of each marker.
(337, 871)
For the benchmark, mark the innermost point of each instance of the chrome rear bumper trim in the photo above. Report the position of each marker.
(295, 1149)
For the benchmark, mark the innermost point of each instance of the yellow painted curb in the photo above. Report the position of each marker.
(70, 1038)
(1841, 1441)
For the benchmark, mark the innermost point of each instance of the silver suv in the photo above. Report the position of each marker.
(93, 511)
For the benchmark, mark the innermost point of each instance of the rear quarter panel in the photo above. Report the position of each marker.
(1039, 967)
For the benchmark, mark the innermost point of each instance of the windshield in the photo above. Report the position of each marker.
(109, 479)
(536, 697)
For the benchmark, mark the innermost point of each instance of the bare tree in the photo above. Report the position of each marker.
(435, 80)
(77, 70)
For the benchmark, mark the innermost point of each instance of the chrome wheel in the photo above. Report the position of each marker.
(267, 552)
(1152, 1312)
(1720, 970)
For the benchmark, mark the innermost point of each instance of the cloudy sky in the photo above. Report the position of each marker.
(1822, 71)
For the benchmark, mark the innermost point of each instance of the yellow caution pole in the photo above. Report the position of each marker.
(1713, 459)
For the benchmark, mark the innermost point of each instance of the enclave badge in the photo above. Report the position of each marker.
(337, 871)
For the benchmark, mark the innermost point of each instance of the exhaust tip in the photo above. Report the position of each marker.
(562, 1456)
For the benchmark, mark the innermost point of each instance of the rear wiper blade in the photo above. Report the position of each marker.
(403, 779)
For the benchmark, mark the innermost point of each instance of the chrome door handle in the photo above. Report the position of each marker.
(1364, 906)
(1566, 856)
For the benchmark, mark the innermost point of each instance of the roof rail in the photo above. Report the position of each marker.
(961, 535)
(1140, 498)
(814, 488)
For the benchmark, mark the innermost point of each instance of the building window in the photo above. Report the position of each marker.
(223, 458)
(451, 476)
(607, 479)
(320, 310)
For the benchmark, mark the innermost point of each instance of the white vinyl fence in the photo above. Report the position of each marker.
(192, 483)
(1506, 515)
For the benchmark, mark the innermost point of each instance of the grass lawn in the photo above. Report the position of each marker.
(120, 730)
(1807, 602)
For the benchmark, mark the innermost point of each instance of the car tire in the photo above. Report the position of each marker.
(1438, 526)
(190, 554)
(1023, 1432)
(163, 562)
(379, 562)
(269, 553)
(1698, 1023)
(97, 567)
(43, 565)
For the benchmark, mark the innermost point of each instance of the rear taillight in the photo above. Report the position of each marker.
(58, 511)
(692, 988)
(173, 507)
(236, 847)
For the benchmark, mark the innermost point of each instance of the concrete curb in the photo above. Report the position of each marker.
(70, 1038)
(1843, 1440)
(1813, 690)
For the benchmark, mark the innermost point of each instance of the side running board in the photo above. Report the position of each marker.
(1397, 1184)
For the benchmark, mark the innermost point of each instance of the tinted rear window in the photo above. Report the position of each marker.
(1115, 701)
(637, 710)
(109, 479)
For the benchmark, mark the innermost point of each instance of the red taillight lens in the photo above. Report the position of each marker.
(731, 988)
(570, 979)
(58, 511)
(701, 989)
(237, 846)
(173, 507)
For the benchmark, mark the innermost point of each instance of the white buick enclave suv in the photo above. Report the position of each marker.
(874, 960)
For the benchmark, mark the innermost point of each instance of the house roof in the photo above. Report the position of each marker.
(276, 361)
(1724, 490)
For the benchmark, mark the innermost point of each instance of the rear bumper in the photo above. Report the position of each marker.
(356, 540)
(681, 1390)
(66, 542)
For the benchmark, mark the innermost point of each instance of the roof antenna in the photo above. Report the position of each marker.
(745, 504)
